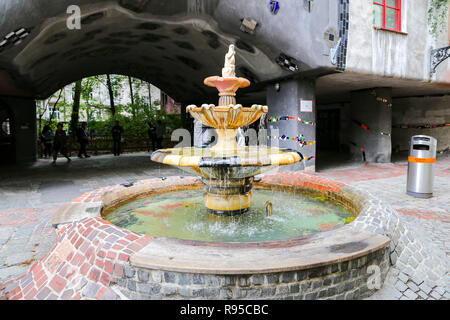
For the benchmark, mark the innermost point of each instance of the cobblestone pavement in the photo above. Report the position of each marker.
(427, 219)
(30, 195)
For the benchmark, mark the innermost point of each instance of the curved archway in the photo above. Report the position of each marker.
(173, 50)
(173, 44)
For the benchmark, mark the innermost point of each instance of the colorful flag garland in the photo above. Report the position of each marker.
(362, 125)
(307, 158)
(360, 148)
(276, 119)
(425, 126)
(300, 140)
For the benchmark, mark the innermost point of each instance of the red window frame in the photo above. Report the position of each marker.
(398, 12)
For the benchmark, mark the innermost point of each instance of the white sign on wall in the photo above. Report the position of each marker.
(306, 106)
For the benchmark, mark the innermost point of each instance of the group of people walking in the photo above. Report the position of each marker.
(56, 142)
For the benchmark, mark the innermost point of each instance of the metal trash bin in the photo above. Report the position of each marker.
(421, 164)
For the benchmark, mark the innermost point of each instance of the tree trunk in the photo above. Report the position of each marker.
(150, 96)
(131, 89)
(55, 106)
(111, 95)
(76, 108)
(40, 118)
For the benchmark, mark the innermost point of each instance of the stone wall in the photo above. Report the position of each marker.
(24, 128)
(421, 111)
(377, 115)
(342, 281)
(414, 111)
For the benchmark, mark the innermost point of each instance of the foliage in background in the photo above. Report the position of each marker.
(136, 125)
(437, 16)
(133, 117)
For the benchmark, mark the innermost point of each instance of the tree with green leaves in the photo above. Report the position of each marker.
(43, 107)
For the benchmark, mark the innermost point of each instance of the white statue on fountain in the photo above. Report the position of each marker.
(230, 62)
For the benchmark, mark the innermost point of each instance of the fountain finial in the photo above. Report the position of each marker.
(230, 63)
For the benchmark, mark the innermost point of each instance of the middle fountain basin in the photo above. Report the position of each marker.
(227, 174)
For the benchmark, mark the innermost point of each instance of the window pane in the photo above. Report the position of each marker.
(391, 18)
(392, 3)
(377, 15)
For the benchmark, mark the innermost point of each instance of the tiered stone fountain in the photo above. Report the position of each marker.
(227, 169)
(306, 250)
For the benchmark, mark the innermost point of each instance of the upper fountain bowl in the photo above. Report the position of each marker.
(227, 117)
(227, 86)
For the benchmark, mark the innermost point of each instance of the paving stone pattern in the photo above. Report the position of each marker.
(90, 254)
(418, 228)
(30, 194)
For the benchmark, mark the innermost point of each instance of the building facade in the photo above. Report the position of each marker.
(359, 76)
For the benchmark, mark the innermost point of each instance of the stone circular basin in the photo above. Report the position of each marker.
(334, 264)
(326, 264)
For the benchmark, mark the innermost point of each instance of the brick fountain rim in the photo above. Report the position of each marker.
(338, 245)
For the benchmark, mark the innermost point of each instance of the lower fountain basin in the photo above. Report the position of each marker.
(332, 264)
(182, 215)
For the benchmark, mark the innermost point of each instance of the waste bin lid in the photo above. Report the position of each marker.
(422, 149)
(422, 139)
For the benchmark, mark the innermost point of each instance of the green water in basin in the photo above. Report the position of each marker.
(182, 215)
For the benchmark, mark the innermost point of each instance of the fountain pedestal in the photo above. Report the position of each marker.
(228, 197)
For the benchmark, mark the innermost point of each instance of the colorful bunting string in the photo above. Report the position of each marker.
(307, 158)
(300, 140)
(362, 125)
(276, 119)
(360, 148)
(425, 126)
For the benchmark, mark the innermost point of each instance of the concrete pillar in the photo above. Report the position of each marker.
(372, 108)
(24, 128)
(285, 100)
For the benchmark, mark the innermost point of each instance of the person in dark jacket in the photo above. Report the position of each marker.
(47, 139)
(60, 144)
(117, 132)
(160, 131)
(83, 140)
(152, 134)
